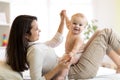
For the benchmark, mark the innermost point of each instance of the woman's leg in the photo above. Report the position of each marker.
(115, 53)
(90, 60)
(116, 59)
(91, 39)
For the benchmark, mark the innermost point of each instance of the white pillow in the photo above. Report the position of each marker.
(6, 73)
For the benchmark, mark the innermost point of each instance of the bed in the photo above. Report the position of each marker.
(102, 74)
(106, 74)
(7, 74)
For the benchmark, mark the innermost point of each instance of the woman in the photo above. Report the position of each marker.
(24, 51)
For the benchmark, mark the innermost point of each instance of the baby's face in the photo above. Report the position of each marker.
(78, 25)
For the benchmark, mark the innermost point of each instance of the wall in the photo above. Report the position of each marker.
(32, 7)
(117, 7)
(107, 13)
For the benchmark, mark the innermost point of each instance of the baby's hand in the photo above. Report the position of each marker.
(74, 57)
(66, 58)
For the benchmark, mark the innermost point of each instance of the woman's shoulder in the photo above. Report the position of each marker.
(38, 46)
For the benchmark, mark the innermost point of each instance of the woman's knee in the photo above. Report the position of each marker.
(106, 30)
(105, 33)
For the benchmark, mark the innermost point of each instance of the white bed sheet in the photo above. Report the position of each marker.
(107, 77)
(102, 74)
(106, 74)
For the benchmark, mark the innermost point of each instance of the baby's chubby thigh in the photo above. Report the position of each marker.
(75, 58)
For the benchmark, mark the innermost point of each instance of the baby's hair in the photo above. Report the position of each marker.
(81, 15)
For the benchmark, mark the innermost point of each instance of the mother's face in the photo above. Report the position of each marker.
(34, 32)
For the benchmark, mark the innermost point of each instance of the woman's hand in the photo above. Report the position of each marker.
(71, 58)
(66, 58)
(64, 65)
(62, 13)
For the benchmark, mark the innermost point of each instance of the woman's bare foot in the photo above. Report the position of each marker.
(118, 69)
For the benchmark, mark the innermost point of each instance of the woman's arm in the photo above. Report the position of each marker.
(35, 58)
(61, 26)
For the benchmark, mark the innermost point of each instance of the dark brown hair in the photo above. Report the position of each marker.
(16, 50)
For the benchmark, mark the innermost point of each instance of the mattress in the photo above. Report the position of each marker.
(102, 74)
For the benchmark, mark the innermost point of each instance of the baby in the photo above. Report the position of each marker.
(74, 42)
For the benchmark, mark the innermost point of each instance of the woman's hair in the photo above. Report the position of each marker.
(16, 50)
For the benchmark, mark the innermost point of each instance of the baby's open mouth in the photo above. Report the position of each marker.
(76, 29)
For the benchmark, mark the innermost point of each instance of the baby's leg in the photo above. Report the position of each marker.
(75, 58)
